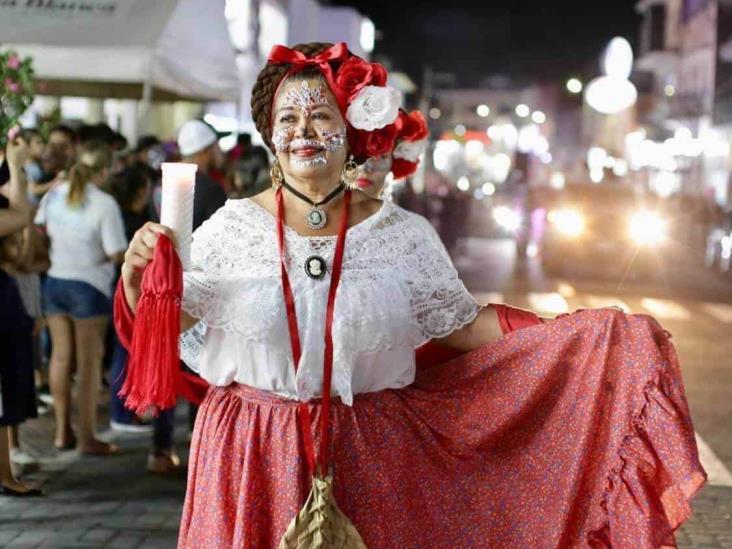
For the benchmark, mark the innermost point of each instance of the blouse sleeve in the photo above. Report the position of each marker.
(199, 288)
(440, 302)
(198, 282)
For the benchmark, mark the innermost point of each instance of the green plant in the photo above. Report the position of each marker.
(16, 90)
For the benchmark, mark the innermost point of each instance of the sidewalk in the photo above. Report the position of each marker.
(95, 502)
(112, 503)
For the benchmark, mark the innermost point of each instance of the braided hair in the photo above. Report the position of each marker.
(269, 80)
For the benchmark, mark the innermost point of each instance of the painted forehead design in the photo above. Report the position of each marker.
(305, 97)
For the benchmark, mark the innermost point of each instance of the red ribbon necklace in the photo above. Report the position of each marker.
(335, 277)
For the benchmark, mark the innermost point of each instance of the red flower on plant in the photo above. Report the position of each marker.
(355, 73)
(12, 85)
(13, 62)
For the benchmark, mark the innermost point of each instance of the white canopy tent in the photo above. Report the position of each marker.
(136, 49)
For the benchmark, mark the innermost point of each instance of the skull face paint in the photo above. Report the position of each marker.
(305, 97)
(334, 141)
(307, 128)
(281, 138)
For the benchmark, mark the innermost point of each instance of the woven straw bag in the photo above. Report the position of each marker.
(320, 524)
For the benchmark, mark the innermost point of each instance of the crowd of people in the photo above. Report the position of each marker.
(70, 202)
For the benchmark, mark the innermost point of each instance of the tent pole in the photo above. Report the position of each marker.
(144, 112)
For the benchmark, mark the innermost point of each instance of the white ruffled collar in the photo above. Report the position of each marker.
(265, 217)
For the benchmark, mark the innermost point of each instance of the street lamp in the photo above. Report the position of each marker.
(538, 117)
(613, 93)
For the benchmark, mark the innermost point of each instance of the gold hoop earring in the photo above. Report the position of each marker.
(276, 175)
(349, 174)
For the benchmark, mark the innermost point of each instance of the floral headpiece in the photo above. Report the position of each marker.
(410, 143)
(369, 106)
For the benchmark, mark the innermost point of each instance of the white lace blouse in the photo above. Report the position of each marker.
(398, 289)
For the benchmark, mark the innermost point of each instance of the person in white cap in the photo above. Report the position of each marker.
(198, 144)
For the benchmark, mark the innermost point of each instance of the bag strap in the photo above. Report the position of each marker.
(303, 408)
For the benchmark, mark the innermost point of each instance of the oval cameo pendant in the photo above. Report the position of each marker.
(315, 267)
(316, 219)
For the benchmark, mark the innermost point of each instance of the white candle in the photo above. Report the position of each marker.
(176, 206)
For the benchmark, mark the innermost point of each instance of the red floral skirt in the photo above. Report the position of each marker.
(575, 433)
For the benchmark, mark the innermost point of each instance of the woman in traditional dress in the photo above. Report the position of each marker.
(410, 143)
(570, 433)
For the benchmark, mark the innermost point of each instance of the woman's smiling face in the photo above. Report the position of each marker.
(308, 130)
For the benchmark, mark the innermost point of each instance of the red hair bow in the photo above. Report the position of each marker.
(299, 61)
(283, 54)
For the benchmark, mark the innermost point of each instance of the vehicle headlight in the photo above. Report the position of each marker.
(569, 222)
(647, 228)
(507, 218)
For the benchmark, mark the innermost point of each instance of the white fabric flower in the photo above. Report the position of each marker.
(410, 150)
(374, 107)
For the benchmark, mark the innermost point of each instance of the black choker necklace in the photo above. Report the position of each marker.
(316, 218)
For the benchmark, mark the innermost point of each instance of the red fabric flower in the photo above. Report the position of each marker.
(401, 168)
(355, 73)
(414, 126)
(377, 142)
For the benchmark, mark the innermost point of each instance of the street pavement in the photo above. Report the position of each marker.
(112, 502)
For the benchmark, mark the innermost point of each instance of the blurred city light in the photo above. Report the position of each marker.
(541, 146)
(669, 90)
(574, 85)
(368, 35)
(522, 110)
(557, 180)
(610, 95)
(483, 110)
(596, 157)
(473, 147)
(435, 113)
(488, 189)
(460, 130)
(538, 117)
(597, 175)
(527, 138)
(444, 150)
(463, 183)
(683, 133)
(647, 228)
(507, 218)
(620, 168)
(505, 134)
(664, 183)
(501, 167)
(568, 221)
(613, 92)
(618, 58)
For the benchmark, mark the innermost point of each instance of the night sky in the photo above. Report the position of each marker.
(548, 40)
